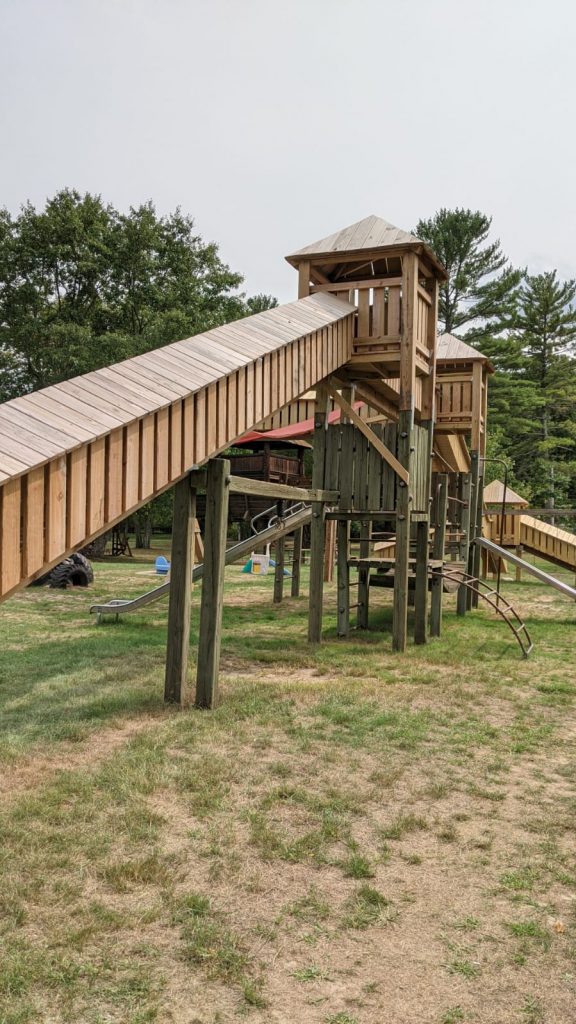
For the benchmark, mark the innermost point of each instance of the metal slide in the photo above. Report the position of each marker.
(293, 520)
(544, 577)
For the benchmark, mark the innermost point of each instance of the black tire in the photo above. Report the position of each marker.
(80, 559)
(74, 571)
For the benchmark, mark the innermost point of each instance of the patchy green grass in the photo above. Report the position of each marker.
(342, 804)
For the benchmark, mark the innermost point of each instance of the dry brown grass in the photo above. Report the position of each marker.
(351, 837)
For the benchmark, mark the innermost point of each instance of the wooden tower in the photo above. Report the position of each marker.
(392, 279)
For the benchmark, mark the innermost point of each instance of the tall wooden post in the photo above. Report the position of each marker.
(465, 525)
(346, 488)
(361, 503)
(317, 532)
(279, 549)
(296, 563)
(438, 555)
(421, 583)
(427, 423)
(474, 554)
(405, 448)
(181, 566)
(217, 489)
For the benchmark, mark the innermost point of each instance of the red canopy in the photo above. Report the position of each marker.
(293, 431)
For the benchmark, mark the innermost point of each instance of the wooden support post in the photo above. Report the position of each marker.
(346, 487)
(279, 548)
(476, 560)
(406, 403)
(438, 555)
(361, 503)
(474, 555)
(296, 563)
(181, 566)
(329, 551)
(403, 506)
(520, 554)
(317, 533)
(421, 583)
(462, 598)
(213, 583)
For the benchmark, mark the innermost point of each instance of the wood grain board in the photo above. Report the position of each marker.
(80, 456)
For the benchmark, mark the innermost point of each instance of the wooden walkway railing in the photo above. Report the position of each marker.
(80, 456)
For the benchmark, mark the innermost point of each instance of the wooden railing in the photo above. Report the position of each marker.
(78, 457)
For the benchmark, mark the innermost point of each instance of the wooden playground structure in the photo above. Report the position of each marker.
(77, 458)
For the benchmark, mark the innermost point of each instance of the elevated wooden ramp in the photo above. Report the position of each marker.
(547, 541)
(80, 456)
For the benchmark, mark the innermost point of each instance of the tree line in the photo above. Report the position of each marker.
(83, 285)
(526, 324)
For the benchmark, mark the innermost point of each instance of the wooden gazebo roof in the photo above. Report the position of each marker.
(372, 234)
(494, 495)
(450, 349)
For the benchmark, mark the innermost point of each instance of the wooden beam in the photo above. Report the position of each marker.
(344, 286)
(181, 568)
(346, 482)
(403, 505)
(370, 436)
(462, 598)
(316, 591)
(213, 583)
(303, 279)
(441, 505)
(421, 583)
(296, 563)
(269, 489)
(408, 342)
(279, 550)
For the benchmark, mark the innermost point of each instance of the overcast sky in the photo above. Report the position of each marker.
(276, 122)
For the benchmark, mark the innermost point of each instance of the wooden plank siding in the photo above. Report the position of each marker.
(80, 456)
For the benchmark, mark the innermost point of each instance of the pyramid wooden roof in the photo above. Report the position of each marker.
(367, 235)
(450, 348)
(494, 495)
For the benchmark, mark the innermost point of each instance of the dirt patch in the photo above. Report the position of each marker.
(28, 772)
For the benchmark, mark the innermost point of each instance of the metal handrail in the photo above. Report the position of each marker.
(272, 514)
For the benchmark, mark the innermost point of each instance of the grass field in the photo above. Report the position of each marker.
(353, 837)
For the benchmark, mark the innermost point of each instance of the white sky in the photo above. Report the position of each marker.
(275, 123)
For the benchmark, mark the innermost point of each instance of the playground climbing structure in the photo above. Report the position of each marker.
(80, 456)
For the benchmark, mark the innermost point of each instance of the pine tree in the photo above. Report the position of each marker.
(480, 296)
(546, 333)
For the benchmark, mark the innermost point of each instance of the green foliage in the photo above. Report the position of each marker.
(83, 285)
(482, 288)
(533, 395)
(526, 325)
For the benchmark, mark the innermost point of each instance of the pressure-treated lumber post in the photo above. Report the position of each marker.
(438, 555)
(296, 563)
(181, 566)
(361, 503)
(520, 554)
(474, 555)
(346, 487)
(428, 415)
(217, 486)
(402, 562)
(405, 447)
(421, 583)
(317, 532)
(462, 598)
(329, 551)
(279, 548)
